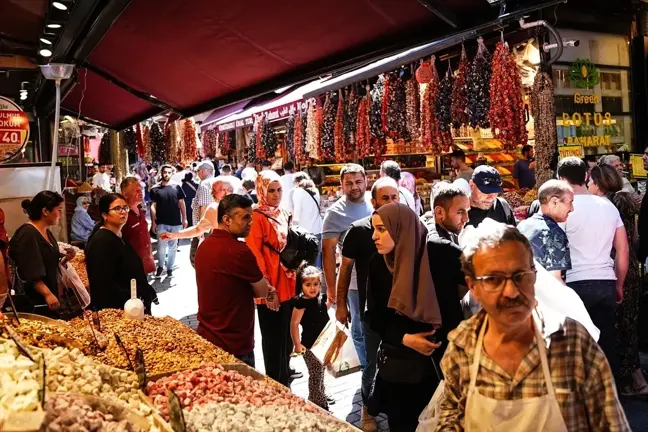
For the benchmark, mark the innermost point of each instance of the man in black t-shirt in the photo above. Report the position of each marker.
(168, 214)
(357, 249)
(485, 187)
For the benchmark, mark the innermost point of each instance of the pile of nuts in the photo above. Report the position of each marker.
(211, 383)
(68, 413)
(46, 335)
(79, 265)
(167, 344)
(226, 417)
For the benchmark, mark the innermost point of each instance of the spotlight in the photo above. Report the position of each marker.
(46, 41)
(59, 5)
(45, 52)
(23, 96)
(54, 26)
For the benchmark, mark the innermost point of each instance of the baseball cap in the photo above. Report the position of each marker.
(487, 179)
(205, 165)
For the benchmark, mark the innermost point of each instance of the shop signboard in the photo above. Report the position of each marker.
(572, 150)
(273, 114)
(637, 166)
(14, 129)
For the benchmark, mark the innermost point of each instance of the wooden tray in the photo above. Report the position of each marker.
(158, 421)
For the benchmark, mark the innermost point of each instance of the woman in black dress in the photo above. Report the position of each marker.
(36, 254)
(112, 262)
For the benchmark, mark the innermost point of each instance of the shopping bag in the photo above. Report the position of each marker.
(335, 349)
(429, 418)
(70, 279)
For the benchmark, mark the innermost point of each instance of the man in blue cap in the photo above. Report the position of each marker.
(485, 187)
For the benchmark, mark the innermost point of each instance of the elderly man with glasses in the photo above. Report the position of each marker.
(515, 366)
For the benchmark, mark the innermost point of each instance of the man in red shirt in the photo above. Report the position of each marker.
(136, 230)
(228, 280)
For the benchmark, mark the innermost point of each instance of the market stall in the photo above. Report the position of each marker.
(135, 366)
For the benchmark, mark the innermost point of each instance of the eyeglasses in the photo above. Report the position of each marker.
(123, 209)
(497, 283)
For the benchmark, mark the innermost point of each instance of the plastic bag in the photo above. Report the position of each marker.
(334, 348)
(71, 280)
(429, 418)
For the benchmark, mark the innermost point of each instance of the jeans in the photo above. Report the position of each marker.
(163, 244)
(356, 326)
(599, 298)
(372, 343)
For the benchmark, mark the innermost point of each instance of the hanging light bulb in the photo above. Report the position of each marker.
(45, 52)
(53, 26)
(59, 5)
(46, 41)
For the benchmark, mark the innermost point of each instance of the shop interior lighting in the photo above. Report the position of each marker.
(53, 25)
(46, 41)
(45, 52)
(59, 5)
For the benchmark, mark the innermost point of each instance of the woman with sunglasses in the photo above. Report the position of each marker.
(112, 262)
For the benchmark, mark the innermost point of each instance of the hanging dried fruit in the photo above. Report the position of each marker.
(269, 140)
(443, 105)
(327, 129)
(385, 101)
(459, 93)
(156, 138)
(312, 132)
(350, 123)
(130, 140)
(189, 141)
(298, 137)
(412, 108)
(209, 143)
(252, 145)
(363, 128)
(506, 113)
(544, 114)
(260, 155)
(173, 142)
(146, 143)
(338, 130)
(396, 109)
(141, 152)
(478, 86)
(104, 149)
(375, 113)
(290, 137)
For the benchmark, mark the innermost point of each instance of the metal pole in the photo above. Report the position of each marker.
(51, 178)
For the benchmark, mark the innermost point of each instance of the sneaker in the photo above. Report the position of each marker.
(158, 273)
(169, 273)
(296, 375)
(330, 400)
(367, 422)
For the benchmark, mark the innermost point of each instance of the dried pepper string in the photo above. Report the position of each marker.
(460, 93)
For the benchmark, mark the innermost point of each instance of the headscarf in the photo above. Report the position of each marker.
(82, 223)
(413, 293)
(278, 219)
(408, 181)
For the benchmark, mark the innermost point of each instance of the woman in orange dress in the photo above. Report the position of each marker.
(268, 237)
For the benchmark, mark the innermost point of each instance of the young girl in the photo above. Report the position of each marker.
(310, 311)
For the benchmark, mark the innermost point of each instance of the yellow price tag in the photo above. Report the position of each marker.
(573, 150)
(637, 166)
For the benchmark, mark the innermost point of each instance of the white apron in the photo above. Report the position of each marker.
(534, 414)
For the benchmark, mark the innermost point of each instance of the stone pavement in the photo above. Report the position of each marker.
(178, 299)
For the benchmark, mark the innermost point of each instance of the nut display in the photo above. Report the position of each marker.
(49, 335)
(211, 383)
(167, 344)
(227, 417)
(69, 413)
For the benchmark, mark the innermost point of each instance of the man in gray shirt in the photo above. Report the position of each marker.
(339, 217)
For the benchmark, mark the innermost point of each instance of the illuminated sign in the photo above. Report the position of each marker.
(14, 129)
(588, 120)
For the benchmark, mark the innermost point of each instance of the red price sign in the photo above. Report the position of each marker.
(14, 129)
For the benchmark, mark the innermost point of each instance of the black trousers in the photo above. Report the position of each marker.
(276, 342)
(403, 403)
(192, 251)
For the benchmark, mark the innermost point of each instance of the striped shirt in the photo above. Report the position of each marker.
(202, 199)
(580, 374)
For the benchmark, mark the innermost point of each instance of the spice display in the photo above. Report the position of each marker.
(375, 112)
(227, 417)
(209, 141)
(211, 383)
(69, 413)
(506, 113)
(544, 113)
(141, 151)
(412, 108)
(104, 149)
(156, 139)
(478, 87)
(327, 128)
(396, 109)
(460, 93)
(168, 345)
(338, 131)
(130, 140)
(189, 141)
(312, 131)
(351, 122)
(290, 136)
(513, 198)
(363, 128)
(146, 140)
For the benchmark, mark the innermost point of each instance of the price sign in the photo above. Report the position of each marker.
(14, 129)
(574, 150)
(637, 166)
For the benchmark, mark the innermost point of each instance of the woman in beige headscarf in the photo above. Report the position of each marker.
(402, 307)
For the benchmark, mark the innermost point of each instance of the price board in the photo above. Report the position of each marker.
(14, 129)
(572, 150)
(638, 170)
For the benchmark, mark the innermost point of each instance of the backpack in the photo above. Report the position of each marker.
(301, 245)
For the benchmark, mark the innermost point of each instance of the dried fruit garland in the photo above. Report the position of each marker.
(443, 105)
(130, 140)
(506, 113)
(189, 142)
(104, 149)
(478, 86)
(210, 142)
(141, 152)
(363, 128)
(146, 143)
(290, 137)
(173, 142)
(544, 114)
(259, 139)
(252, 145)
(412, 108)
(375, 112)
(338, 131)
(301, 155)
(156, 139)
(312, 131)
(460, 93)
(433, 138)
(396, 109)
(327, 129)
(269, 141)
(386, 90)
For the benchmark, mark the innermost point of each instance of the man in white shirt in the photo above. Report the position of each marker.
(101, 180)
(593, 229)
(250, 172)
(287, 183)
(391, 169)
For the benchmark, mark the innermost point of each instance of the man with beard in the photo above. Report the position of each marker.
(458, 163)
(168, 214)
(485, 187)
(357, 250)
(516, 366)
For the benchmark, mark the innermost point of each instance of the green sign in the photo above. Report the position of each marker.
(584, 74)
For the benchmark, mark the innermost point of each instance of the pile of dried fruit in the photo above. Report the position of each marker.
(530, 196)
(168, 345)
(46, 335)
(211, 383)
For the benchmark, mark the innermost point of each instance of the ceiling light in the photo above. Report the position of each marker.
(45, 52)
(23, 96)
(53, 25)
(59, 5)
(46, 41)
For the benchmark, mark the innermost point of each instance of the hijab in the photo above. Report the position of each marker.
(278, 219)
(81, 213)
(413, 293)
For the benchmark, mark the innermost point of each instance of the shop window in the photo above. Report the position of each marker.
(612, 104)
(561, 78)
(565, 104)
(611, 81)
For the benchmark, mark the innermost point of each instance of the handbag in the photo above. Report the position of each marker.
(301, 246)
(402, 365)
